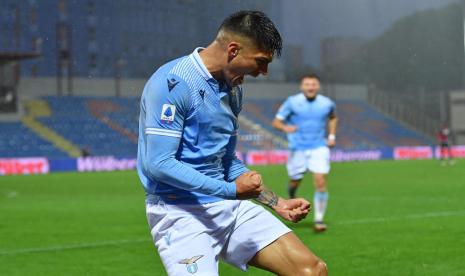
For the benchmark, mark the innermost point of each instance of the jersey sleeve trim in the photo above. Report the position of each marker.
(280, 117)
(163, 132)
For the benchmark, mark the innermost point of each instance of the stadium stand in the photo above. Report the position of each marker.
(109, 126)
(360, 125)
(77, 119)
(17, 140)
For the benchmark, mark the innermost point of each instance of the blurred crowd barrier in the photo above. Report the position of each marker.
(39, 165)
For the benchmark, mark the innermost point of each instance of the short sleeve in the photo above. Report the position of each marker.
(284, 111)
(332, 109)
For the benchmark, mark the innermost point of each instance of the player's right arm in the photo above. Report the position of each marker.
(283, 114)
(332, 126)
(294, 209)
(163, 131)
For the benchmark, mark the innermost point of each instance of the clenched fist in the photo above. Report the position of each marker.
(293, 210)
(249, 185)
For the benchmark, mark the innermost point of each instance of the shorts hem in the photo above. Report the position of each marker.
(320, 172)
(244, 266)
(296, 176)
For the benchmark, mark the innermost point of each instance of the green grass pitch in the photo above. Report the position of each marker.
(384, 218)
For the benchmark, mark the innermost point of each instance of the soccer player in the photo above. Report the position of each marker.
(196, 188)
(305, 117)
(444, 146)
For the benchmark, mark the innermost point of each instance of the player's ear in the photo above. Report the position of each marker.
(233, 50)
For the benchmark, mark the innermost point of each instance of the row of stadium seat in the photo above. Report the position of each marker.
(360, 125)
(109, 126)
(18, 140)
(79, 120)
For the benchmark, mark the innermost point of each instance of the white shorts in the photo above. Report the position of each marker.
(192, 238)
(314, 160)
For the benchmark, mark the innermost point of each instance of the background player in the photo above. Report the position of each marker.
(444, 146)
(187, 163)
(305, 118)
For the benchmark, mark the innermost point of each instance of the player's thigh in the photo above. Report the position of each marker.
(296, 165)
(288, 256)
(183, 250)
(255, 228)
(318, 160)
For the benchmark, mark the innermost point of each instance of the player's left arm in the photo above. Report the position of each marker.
(293, 210)
(332, 127)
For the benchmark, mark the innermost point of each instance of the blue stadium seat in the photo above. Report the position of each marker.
(109, 126)
(17, 140)
(360, 125)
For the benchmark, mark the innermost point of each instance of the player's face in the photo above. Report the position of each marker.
(246, 61)
(310, 87)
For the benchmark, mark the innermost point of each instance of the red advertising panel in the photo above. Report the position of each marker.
(407, 153)
(267, 157)
(30, 165)
(455, 151)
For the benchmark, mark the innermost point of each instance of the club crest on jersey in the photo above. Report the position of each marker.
(191, 265)
(167, 113)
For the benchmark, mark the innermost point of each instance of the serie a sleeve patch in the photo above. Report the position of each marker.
(168, 112)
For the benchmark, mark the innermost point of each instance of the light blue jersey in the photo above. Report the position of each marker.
(187, 134)
(310, 118)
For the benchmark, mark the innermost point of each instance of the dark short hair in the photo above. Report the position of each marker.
(310, 76)
(256, 26)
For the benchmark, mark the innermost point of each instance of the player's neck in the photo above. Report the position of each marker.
(310, 99)
(211, 58)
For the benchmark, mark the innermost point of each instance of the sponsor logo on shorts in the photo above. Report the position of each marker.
(191, 265)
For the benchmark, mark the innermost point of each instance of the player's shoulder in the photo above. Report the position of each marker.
(299, 97)
(165, 80)
(166, 70)
(325, 99)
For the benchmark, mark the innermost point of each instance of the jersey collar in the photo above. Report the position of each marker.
(199, 65)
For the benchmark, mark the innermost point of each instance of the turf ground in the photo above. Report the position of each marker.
(385, 218)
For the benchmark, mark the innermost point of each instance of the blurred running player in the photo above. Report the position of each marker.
(196, 188)
(310, 121)
(445, 151)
